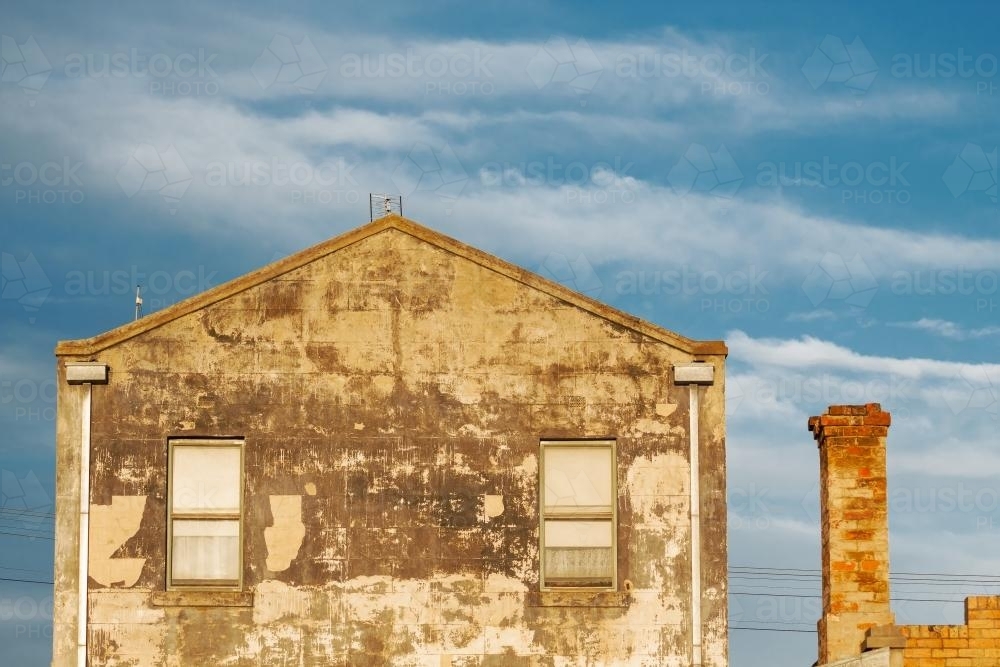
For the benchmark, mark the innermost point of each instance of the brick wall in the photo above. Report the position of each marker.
(975, 644)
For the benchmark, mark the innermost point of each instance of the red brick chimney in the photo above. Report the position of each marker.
(855, 527)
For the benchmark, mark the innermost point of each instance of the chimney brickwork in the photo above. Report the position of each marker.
(855, 543)
(855, 527)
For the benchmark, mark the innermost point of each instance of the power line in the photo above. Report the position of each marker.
(33, 524)
(911, 586)
(783, 569)
(902, 582)
(737, 627)
(813, 597)
(25, 518)
(771, 587)
(33, 537)
(956, 583)
(800, 572)
(26, 581)
(23, 528)
(26, 512)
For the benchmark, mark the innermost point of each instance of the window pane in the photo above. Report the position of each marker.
(206, 550)
(206, 479)
(579, 553)
(578, 534)
(579, 567)
(578, 477)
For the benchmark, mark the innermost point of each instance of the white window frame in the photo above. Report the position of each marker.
(172, 516)
(567, 514)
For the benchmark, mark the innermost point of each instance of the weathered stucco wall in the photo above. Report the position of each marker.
(392, 397)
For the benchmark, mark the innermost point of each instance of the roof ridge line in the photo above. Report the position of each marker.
(96, 344)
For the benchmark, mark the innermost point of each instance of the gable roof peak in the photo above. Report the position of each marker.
(96, 344)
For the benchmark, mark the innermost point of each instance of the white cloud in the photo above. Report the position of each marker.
(628, 221)
(812, 316)
(956, 458)
(659, 72)
(813, 353)
(948, 329)
(944, 412)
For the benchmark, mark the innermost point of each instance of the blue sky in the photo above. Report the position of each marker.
(816, 185)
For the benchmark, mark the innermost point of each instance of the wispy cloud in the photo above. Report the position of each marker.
(948, 329)
(622, 219)
(808, 352)
(667, 78)
(812, 315)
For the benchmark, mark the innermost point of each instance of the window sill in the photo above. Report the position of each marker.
(579, 599)
(202, 599)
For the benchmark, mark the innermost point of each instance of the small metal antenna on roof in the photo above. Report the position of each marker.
(138, 301)
(381, 205)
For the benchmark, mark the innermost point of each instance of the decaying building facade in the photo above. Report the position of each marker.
(858, 627)
(391, 449)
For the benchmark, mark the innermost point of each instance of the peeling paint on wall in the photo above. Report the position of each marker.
(493, 506)
(284, 538)
(110, 527)
(665, 409)
(392, 397)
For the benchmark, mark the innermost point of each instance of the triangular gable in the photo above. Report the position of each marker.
(125, 332)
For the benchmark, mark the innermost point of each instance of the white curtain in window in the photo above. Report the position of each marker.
(578, 550)
(578, 565)
(206, 550)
